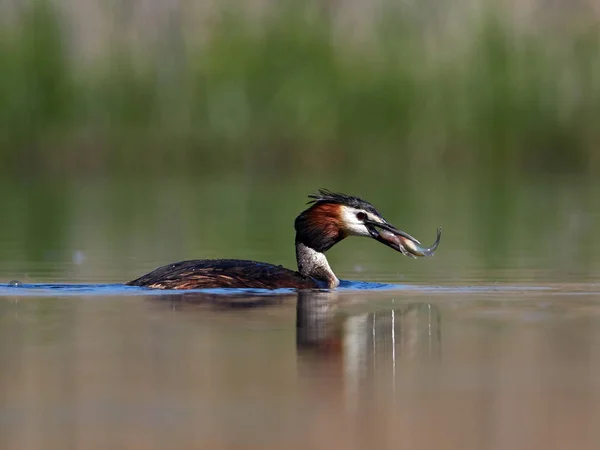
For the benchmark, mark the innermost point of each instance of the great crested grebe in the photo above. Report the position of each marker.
(330, 218)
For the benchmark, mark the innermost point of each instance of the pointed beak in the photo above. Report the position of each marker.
(400, 241)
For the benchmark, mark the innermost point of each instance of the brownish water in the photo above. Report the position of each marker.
(423, 368)
(494, 343)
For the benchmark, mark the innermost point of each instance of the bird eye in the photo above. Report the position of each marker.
(361, 216)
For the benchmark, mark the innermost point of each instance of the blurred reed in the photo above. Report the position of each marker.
(292, 91)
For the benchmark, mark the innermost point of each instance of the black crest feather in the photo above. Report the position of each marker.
(326, 196)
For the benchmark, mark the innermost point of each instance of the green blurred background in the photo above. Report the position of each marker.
(135, 133)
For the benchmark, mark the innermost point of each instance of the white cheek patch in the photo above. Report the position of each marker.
(352, 224)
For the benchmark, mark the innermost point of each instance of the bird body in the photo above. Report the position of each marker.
(224, 273)
(331, 218)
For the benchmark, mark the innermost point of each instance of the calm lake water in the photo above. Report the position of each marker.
(494, 343)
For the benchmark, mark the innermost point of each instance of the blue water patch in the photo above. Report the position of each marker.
(42, 289)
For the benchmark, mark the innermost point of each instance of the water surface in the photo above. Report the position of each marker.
(494, 343)
(503, 368)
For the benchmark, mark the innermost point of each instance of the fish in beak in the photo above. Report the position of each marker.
(400, 241)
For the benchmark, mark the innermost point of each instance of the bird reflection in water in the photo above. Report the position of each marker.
(334, 342)
(328, 326)
(347, 360)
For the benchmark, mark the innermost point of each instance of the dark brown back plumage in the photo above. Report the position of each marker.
(223, 273)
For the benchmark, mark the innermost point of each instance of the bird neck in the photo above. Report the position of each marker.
(313, 263)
